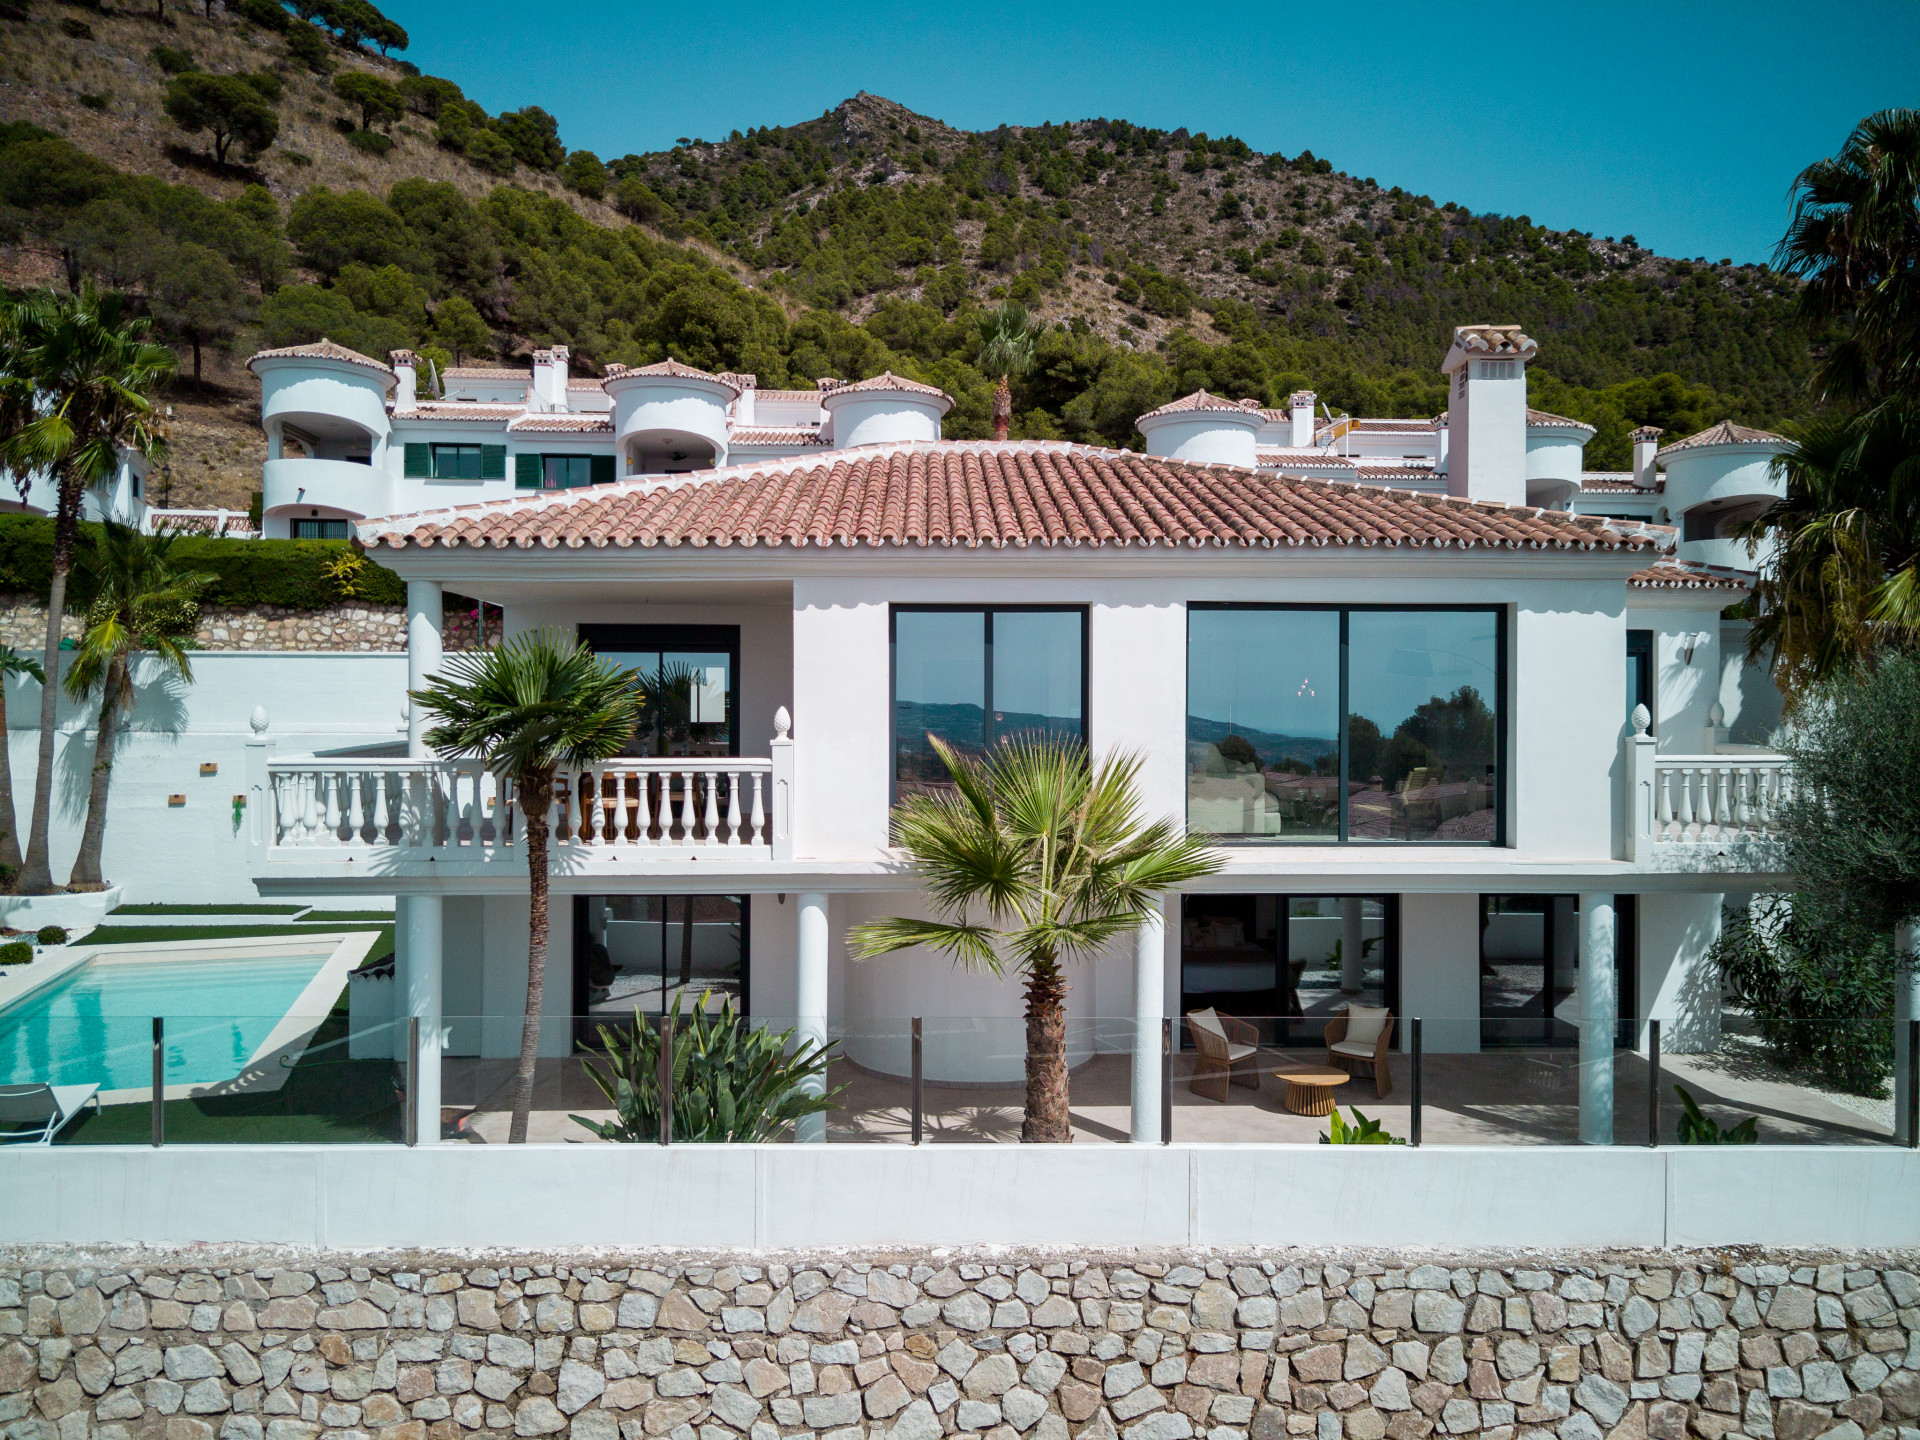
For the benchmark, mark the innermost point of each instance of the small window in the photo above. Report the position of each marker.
(456, 462)
(566, 472)
(322, 530)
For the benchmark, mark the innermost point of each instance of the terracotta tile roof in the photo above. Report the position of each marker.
(571, 424)
(584, 382)
(740, 380)
(1496, 340)
(1198, 400)
(790, 396)
(1379, 474)
(671, 368)
(1688, 575)
(1725, 433)
(887, 380)
(1302, 397)
(1316, 459)
(321, 349)
(975, 493)
(1647, 432)
(462, 410)
(486, 372)
(1379, 427)
(1547, 419)
(775, 435)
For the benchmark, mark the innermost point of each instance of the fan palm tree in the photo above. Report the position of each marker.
(1006, 350)
(529, 707)
(12, 662)
(77, 378)
(1037, 856)
(1845, 580)
(143, 601)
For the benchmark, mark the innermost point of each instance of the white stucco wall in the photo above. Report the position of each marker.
(196, 851)
(882, 417)
(1440, 971)
(1677, 985)
(1204, 437)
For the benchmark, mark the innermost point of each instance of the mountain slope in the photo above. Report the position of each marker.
(860, 240)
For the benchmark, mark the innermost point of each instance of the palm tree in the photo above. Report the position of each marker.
(12, 662)
(77, 376)
(529, 707)
(1036, 856)
(142, 601)
(1845, 580)
(1006, 350)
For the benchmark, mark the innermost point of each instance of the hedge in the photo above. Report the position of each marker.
(289, 573)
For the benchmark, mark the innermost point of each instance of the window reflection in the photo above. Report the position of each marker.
(1281, 960)
(974, 677)
(1419, 737)
(1263, 723)
(1422, 739)
(642, 951)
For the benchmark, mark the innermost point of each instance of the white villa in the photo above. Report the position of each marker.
(1477, 741)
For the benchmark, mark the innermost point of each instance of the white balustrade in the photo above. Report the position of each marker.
(459, 806)
(1716, 800)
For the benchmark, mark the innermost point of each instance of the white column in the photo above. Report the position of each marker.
(1149, 989)
(423, 654)
(1599, 1007)
(420, 1000)
(1906, 1006)
(1353, 946)
(810, 999)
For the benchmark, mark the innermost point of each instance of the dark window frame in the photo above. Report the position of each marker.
(1501, 714)
(631, 637)
(436, 447)
(586, 1028)
(1641, 688)
(894, 611)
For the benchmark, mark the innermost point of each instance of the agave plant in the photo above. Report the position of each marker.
(731, 1082)
(1698, 1128)
(1361, 1132)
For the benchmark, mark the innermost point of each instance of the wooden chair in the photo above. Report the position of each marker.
(1227, 1053)
(1362, 1050)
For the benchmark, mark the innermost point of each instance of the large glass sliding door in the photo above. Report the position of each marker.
(691, 677)
(1530, 969)
(641, 952)
(1282, 959)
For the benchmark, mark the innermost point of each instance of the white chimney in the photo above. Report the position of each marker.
(1440, 443)
(1487, 412)
(1646, 443)
(747, 385)
(406, 367)
(550, 379)
(1301, 403)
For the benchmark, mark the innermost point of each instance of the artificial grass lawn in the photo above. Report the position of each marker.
(326, 1099)
(150, 934)
(208, 909)
(337, 917)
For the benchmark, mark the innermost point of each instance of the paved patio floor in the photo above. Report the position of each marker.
(1495, 1098)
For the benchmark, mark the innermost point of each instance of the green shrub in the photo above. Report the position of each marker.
(51, 935)
(95, 102)
(76, 29)
(1363, 1132)
(15, 952)
(371, 141)
(172, 60)
(289, 573)
(1698, 1128)
(732, 1082)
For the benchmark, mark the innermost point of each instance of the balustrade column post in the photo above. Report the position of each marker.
(1149, 999)
(1643, 805)
(781, 784)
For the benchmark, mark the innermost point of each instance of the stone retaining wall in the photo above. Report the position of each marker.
(1176, 1348)
(23, 625)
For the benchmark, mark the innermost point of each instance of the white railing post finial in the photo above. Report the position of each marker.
(1716, 735)
(781, 786)
(1640, 785)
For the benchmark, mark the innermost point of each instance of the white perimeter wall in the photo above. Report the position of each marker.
(315, 702)
(765, 1197)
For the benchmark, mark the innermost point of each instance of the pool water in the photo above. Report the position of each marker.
(94, 1025)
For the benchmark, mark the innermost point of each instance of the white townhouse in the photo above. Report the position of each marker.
(1462, 719)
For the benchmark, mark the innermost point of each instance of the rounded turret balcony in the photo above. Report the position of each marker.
(1716, 481)
(1556, 455)
(885, 410)
(669, 418)
(1203, 429)
(324, 408)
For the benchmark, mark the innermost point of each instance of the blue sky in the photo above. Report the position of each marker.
(1682, 125)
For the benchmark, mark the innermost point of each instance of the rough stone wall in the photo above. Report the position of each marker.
(23, 624)
(436, 1348)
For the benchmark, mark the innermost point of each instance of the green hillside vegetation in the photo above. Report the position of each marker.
(1159, 261)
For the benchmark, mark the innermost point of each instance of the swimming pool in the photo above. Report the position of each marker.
(93, 1024)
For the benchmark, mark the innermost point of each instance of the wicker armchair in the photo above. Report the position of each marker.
(1227, 1053)
(1351, 1055)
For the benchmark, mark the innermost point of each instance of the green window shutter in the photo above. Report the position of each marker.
(526, 471)
(603, 469)
(493, 462)
(419, 463)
